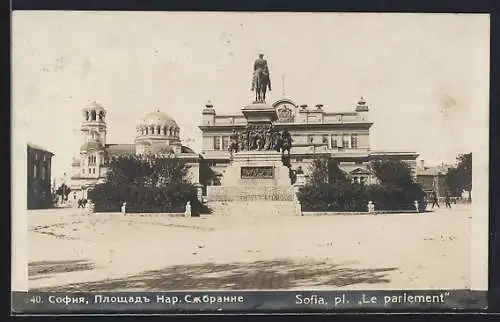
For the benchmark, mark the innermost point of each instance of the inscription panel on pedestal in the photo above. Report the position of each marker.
(257, 172)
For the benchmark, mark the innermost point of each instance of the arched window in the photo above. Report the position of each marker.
(93, 115)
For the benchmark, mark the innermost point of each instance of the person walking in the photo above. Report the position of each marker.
(435, 200)
(447, 200)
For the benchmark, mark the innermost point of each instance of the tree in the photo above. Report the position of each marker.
(319, 171)
(329, 188)
(335, 174)
(147, 184)
(459, 178)
(392, 172)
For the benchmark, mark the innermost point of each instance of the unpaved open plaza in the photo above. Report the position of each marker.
(72, 250)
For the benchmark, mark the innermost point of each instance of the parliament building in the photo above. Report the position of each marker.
(343, 136)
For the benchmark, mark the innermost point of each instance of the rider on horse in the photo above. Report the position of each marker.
(260, 65)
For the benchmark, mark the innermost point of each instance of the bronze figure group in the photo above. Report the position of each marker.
(260, 137)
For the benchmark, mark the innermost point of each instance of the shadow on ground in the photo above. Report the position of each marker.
(276, 274)
(35, 269)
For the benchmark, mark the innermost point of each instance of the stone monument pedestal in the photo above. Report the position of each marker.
(250, 168)
(259, 113)
(254, 175)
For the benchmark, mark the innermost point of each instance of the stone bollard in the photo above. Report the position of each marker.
(371, 207)
(416, 205)
(124, 208)
(187, 213)
(298, 208)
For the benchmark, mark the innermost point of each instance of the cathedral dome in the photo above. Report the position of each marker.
(158, 119)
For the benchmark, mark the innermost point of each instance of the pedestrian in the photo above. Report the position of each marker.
(435, 200)
(447, 200)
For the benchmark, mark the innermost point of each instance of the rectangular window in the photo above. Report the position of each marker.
(345, 141)
(334, 142)
(324, 139)
(310, 139)
(216, 142)
(34, 171)
(42, 173)
(354, 141)
(225, 143)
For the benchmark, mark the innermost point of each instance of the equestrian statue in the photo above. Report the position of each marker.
(261, 80)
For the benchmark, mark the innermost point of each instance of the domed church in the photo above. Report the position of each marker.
(157, 134)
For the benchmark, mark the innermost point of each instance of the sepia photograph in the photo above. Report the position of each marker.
(224, 151)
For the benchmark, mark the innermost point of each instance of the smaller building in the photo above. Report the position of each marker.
(39, 177)
(433, 178)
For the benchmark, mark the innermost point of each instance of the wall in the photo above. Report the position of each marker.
(39, 180)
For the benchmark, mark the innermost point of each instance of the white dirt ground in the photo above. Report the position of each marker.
(72, 250)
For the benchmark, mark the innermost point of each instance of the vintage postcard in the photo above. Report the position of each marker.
(223, 151)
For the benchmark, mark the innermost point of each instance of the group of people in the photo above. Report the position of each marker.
(260, 137)
(435, 200)
(82, 203)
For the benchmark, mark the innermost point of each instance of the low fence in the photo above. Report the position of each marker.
(143, 214)
(250, 193)
(333, 213)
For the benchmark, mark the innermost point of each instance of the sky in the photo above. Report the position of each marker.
(424, 76)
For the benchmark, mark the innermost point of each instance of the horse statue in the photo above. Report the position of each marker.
(261, 84)
(261, 79)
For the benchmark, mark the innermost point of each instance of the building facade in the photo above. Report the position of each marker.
(433, 178)
(343, 136)
(39, 177)
(156, 133)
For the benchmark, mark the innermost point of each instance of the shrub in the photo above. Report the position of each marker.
(149, 185)
(397, 190)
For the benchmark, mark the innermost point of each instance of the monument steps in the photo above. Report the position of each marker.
(254, 208)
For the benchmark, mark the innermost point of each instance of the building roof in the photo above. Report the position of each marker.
(185, 149)
(36, 147)
(120, 149)
(158, 119)
(441, 169)
(161, 149)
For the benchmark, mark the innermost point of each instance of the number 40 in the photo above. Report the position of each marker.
(36, 299)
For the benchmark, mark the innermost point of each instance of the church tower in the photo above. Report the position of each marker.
(93, 131)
